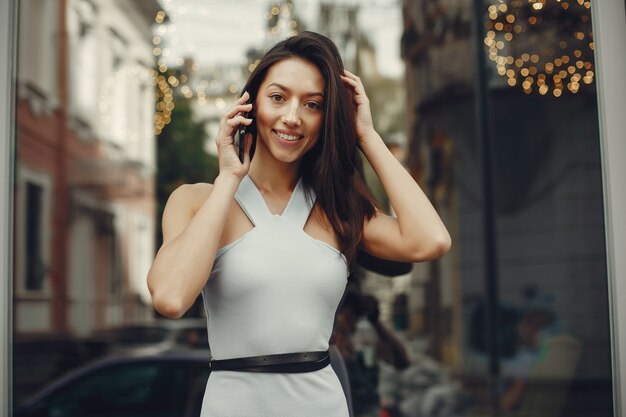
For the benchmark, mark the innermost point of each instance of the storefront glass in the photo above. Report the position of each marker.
(522, 300)
(492, 108)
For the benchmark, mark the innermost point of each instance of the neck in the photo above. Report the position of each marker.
(272, 175)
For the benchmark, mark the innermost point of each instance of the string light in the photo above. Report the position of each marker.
(284, 23)
(549, 65)
(129, 76)
(165, 82)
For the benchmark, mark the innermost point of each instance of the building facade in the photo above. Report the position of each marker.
(84, 197)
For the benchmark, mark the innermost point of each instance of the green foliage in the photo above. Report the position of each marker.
(181, 158)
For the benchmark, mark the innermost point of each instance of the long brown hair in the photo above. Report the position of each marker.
(332, 168)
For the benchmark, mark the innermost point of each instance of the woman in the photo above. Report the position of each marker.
(270, 243)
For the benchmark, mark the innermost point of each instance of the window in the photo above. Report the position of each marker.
(33, 218)
(149, 389)
(119, 391)
(119, 90)
(35, 267)
(550, 177)
(84, 61)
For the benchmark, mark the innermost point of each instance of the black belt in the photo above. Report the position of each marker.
(280, 363)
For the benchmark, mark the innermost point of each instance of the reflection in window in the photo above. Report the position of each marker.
(82, 24)
(33, 226)
(35, 268)
(94, 146)
(121, 391)
(37, 80)
(550, 313)
(97, 152)
(134, 388)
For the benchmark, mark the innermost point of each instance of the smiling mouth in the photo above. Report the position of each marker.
(290, 138)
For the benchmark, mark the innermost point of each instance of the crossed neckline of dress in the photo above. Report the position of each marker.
(297, 211)
(292, 197)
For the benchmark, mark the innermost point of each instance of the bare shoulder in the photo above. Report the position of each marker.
(181, 205)
(189, 197)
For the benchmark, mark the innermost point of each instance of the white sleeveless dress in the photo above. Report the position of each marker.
(274, 290)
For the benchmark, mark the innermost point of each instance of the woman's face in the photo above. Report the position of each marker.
(289, 109)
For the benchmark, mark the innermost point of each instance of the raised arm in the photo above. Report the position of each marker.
(193, 221)
(417, 233)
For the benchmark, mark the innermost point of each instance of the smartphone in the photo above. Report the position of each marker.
(241, 132)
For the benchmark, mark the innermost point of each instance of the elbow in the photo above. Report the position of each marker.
(436, 248)
(165, 302)
(443, 244)
(168, 306)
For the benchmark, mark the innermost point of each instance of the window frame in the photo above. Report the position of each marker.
(8, 16)
(608, 31)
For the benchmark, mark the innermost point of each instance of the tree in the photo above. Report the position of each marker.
(181, 157)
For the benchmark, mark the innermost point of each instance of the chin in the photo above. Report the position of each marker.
(291, 153)
(288, 158)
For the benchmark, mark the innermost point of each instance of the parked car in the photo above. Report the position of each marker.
(165, 385)
(152, 338)
(39, 359)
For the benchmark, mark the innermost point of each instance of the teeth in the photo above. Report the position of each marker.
(287, 137)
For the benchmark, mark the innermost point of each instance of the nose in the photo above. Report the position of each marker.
(291, 116)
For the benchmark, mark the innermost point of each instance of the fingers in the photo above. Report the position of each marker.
(239, 108)
(236, 116)
(240, 105)
(348, 74)
(244, 97)
(355, 83)
(355, 88)
(238, 120)
(353, 80)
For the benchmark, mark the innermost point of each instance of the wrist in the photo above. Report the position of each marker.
(227, 182)
(369, 139)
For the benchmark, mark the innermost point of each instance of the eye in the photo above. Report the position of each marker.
(313, 105)
(276, 97)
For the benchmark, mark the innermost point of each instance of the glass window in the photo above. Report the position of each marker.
(518, 311)
(108, 393)
(491, 107)
(131, 389)
(139, 335)
(33, 227)
(35, 268)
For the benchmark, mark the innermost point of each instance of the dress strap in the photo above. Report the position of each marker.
(251, 201)
(299, 207)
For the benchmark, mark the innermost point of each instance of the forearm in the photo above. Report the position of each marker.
(181, 267)
(400, 356)
(418, 220)
(512, 397)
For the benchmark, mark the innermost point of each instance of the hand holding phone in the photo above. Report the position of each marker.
(241, 132)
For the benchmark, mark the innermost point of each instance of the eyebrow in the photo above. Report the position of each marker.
(282, 87)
